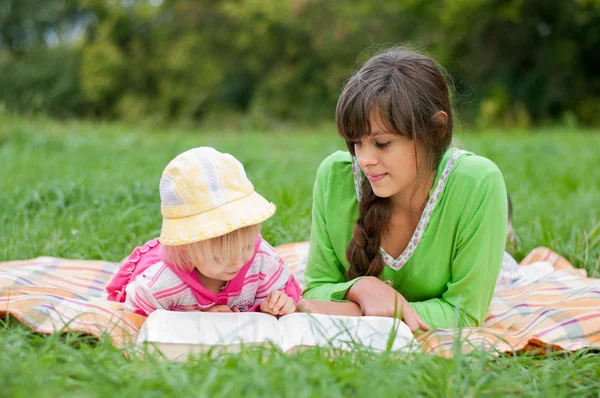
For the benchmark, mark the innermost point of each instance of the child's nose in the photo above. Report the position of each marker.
(235, 267)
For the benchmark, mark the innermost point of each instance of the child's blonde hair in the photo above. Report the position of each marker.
(224, 249)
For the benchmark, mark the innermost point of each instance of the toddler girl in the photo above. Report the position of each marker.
(210, 255)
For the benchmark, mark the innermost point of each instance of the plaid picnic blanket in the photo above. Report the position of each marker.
(559, 312)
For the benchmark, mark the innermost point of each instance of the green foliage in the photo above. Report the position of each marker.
(42, 82)
(514, 63)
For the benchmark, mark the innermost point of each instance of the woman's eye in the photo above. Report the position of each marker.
(382, 145)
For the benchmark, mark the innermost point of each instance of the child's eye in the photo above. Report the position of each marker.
(382, 145)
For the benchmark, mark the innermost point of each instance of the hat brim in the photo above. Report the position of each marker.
(250, 210)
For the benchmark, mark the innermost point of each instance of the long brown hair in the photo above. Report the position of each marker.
(407, 88)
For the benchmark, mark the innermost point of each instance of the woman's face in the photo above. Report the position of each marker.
(388, 160)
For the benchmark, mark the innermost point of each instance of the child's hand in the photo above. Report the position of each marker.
(222, 308)
(278, 303)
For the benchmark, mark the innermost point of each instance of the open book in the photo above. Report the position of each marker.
(180, 334)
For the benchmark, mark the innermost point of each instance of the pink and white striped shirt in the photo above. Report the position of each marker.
(146, 283)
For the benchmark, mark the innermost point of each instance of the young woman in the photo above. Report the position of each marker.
(403, 225)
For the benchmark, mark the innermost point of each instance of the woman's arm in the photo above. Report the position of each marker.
(347, 308)
(324, 276)
(477, 261)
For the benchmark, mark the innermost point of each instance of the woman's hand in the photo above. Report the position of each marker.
(376, 298)
(278, 303)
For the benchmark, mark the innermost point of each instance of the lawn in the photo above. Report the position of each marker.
(89, 190)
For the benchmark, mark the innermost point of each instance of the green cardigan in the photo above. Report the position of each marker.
(451, 275)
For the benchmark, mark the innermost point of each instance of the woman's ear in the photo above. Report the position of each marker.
(441, 117)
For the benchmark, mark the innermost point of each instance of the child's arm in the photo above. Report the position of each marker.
(140, 298)
(277, 277)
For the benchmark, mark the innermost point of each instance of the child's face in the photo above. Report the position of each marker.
(213, 269)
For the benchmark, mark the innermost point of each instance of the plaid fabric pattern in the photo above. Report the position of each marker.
(55, 295)
(559, 312)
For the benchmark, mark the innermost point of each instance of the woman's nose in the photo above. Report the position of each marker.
(365, 157)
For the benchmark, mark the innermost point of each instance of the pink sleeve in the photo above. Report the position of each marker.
(292, 288)
(140, 259)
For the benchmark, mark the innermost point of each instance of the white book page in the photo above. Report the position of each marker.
(345, 332)
(208, 328)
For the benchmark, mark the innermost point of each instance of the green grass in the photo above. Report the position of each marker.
(82, 190)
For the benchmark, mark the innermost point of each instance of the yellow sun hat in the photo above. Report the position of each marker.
(204, 194)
